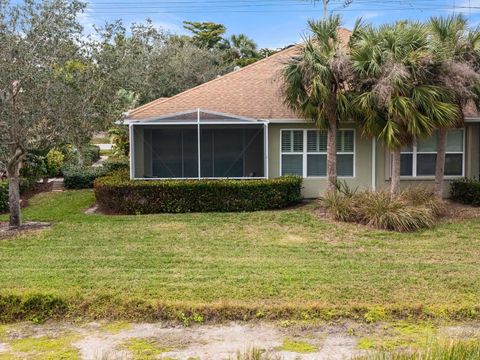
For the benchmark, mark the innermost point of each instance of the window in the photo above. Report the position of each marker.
(420, 158)
(292, 152)
(304, 153)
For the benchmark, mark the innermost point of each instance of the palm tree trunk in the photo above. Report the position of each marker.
(440, 164)
(13, 173)
(332, 155)
(395, 179)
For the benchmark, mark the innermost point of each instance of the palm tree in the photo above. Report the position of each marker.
(243, 46)
(455, 52)
(316, 82)
(395, 100)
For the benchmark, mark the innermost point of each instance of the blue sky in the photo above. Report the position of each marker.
(271, 23)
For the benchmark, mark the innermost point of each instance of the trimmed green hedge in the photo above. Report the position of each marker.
(75, 177)
(116, 164)
(3, 196)
(91, 154)
(118, 194)
(466, 191)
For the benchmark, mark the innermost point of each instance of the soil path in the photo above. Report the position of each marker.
(112, 341)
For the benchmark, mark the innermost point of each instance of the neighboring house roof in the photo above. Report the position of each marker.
(253, 91)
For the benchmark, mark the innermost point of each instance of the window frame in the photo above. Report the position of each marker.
(305, 152)
(415, 152)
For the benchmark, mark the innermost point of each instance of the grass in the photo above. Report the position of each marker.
(116, 326)
(44, 348)
(459, 350)
(255, 354)
(143, 349)
(106, 152)
(400, 335)
(279, 264)
(297, 346)
(100, 140)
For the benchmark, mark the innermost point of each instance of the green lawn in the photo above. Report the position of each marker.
(100, 140)
(262, 260)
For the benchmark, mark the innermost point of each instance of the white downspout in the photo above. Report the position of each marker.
(198, 140)
(132, 155)
(374, 164)
(266, 149)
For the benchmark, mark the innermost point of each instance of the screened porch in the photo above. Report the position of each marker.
(198, 144)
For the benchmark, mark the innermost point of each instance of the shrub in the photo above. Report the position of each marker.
(54, 160)
(91, 154)
(414, 209)
(117, 193)
(34, 167)
(76, 177)
(116, 163)
(380, 211)
(340, 206)
(466, 191)
(120, 140)
(3, 196)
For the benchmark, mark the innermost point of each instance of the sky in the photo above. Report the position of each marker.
(271, 23)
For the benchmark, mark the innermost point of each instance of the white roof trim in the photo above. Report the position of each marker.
(472, 119)
(195, 111)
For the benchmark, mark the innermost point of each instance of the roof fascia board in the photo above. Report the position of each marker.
(472, 119)
(216, 113)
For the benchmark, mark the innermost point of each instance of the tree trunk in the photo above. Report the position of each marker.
(395, 179)
(80, 157)
(13, 173)
(440, 164)
(332, 155)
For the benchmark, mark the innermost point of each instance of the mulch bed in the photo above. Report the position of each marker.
(7, 232)
(455, 212)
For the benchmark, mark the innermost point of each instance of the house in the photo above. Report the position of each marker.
(237, 126)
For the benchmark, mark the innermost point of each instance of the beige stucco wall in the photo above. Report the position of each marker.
(313, 187)
(363, 161)
(472, 161)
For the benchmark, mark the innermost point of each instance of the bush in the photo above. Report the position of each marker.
(34, 167)
(120, 140)
(3, 196)
(413, 210)
(76, 177)
(117, 193)
(116, 164)
(55, 160)
(91, 154)
(466, 191)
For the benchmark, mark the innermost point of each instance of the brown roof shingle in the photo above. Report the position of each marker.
(252, 91)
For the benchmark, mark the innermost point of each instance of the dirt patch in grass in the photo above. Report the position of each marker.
(27, 227)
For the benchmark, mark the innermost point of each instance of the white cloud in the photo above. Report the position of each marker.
(169, 26)
(86, 20)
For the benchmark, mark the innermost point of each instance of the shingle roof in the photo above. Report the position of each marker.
(252, 91)
(470, 110)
